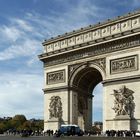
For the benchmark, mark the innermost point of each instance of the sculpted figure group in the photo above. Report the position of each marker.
(124, 102)
(55, 107)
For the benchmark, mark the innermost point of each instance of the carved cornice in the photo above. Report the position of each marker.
(63, 88)
(121, 26)
(51, 90)
(105, 48)
(124, 79)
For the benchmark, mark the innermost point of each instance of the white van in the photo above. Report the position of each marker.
(70, 129)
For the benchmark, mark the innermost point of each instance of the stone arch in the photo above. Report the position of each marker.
(83, 80)
(83, 66)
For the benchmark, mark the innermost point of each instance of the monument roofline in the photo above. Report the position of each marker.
(92, 27)
(122, 27)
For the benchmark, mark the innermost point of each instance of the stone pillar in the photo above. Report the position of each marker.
(122, 122)
(73, 106)
(89, 113)
(54, 124)
(52, 120)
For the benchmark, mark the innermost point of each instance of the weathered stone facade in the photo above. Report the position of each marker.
(74, 63)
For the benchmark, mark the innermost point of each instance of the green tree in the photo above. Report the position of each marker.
(37, 124)
(2, 127)
(17, 121)
(19, 118)
(27, 125)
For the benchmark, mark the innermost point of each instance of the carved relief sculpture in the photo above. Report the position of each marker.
(100, 62)
(124, 64)
(56, 77)
(55, 107)
(124, 102)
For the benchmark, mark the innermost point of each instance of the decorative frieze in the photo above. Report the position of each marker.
(124, 64)
(55, 77)
(94, 33)
(94, 51)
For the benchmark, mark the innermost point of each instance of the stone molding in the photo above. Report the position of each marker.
(93, 33)
(124, 79)
(124, 64)
(63, 88)
(105, 48)
(52, 89)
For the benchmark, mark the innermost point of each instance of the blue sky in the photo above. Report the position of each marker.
(24, 24)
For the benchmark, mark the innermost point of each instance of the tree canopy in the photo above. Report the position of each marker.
(19, 122)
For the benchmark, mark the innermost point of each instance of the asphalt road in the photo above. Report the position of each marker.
(66, 138)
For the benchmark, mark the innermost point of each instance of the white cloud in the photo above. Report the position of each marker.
(20, 39)
(75, 17)
(24, 48)
(25, 35)
(22, 24)
(21, 94)
(10, 33)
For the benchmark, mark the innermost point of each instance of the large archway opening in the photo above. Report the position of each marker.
(85, 81)
(97, 107)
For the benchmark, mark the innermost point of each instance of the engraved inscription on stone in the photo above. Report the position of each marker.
(56, 77)
(123, 64)
(55, 107)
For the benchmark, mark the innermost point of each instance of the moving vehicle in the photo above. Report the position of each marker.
(70, 129)
(137, 134)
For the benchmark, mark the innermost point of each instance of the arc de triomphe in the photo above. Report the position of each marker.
(74, 63)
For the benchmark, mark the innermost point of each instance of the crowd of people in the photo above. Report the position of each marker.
(23, 132)
(120, 133)
(112, 133)
(108, 133)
